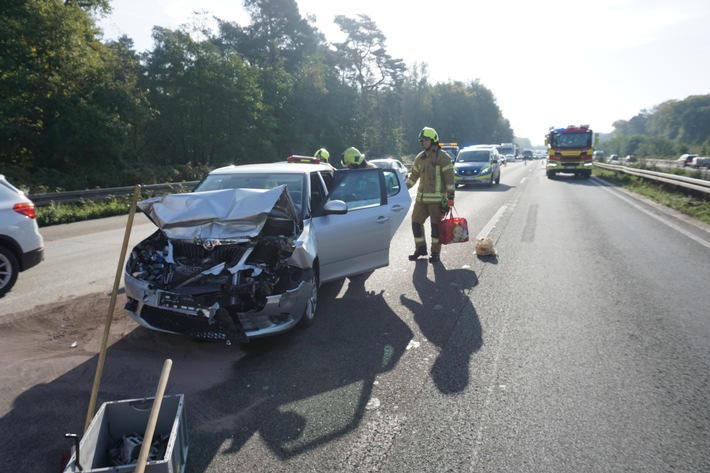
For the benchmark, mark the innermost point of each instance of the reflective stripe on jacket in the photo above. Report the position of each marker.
(436, 172)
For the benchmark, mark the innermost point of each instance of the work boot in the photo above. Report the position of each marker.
(434, 258)
(420, 251)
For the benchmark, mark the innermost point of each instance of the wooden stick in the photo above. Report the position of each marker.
(112, 306)
(150, 428)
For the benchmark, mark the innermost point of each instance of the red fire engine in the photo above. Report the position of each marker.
(569, 150)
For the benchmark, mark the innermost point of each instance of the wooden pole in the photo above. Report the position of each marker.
(112, 306)
(154, 412)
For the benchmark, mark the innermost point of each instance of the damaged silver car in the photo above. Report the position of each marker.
(244, 254)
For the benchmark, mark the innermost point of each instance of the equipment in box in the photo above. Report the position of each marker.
(115, 437)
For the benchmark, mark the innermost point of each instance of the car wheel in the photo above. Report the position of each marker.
(309, 313)
(8, 270)
(550, 175)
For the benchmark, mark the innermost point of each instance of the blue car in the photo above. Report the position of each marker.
(477, 165)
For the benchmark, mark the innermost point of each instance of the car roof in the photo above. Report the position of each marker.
(479, 148)
(279, 167)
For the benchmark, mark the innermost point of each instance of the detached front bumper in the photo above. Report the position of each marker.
(168, 312)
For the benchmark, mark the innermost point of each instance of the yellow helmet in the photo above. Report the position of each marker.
(353, 157)
(428, 133)
(322, 154)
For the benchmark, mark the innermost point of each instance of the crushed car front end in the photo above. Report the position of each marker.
(224, 265)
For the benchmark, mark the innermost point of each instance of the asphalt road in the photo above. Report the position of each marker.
(583, 346)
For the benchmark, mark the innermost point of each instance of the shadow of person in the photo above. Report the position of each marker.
(447, 318)
(297, 392)
(306, 388)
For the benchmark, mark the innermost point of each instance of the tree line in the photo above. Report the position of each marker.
(667, 130)
(78, 112)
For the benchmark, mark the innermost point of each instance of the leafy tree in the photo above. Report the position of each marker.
(244, 94)
(277, 34)
(208, 105)
(363, 58)
(100, 6)
(63, 104)
(469, 114)
(417, 109)
(320, 110)
(675, 126)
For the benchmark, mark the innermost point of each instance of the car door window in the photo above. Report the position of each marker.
(391, 182)
(318, 191)
(360, 188)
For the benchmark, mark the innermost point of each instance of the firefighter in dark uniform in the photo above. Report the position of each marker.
(434, 195)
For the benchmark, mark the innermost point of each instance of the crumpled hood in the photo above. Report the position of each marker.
(223, 214)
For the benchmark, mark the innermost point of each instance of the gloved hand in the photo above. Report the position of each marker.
(451, 202)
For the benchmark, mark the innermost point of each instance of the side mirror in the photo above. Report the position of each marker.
(337, 207)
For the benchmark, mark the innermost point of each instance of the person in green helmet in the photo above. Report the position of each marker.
(433, 166)
(324, 156)
(354, 159)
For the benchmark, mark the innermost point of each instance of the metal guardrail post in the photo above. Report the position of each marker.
(41, 200)
(685, 182)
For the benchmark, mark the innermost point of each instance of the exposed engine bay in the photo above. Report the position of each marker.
(216, 261)
(239, 276)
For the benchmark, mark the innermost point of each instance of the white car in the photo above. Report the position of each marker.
(21, 244)
(391, 163)
(244, 254)
(700, 162)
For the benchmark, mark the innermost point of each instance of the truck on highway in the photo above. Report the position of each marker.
(508, 149)
(570, 150)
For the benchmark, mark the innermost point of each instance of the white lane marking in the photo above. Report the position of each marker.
(660, 219)
(523, 180)
(491, 223)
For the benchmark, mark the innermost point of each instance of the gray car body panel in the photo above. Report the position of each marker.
(352, 239)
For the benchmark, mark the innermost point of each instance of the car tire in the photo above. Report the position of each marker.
(9, 268)
(309, 313)
(498, 179)
(550, 175)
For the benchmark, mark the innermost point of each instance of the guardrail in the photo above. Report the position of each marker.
(41, 200)
(699, 185)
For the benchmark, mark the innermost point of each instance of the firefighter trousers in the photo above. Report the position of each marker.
(420, 214)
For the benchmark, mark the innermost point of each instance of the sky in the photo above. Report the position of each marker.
(547, 62)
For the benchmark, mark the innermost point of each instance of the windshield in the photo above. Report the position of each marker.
(474, 156)
(383, 164)
(451, 150)
(294, 183)
(505, 149)
(572, 140)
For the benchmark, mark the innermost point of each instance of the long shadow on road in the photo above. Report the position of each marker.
(444, 304)
(297, 391)
(306, 389)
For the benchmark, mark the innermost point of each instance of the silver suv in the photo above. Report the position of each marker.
(21, 245)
